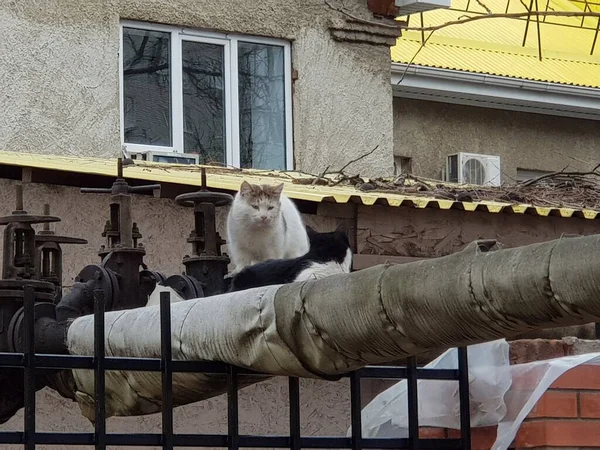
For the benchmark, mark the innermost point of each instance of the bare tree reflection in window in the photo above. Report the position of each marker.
(147, 87)
(204, 100)
(262, 106)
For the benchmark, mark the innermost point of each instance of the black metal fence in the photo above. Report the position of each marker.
(32, 363)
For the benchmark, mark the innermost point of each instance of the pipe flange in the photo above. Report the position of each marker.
(159, 277)
(17, 324)
(186, 286)
(104, 279)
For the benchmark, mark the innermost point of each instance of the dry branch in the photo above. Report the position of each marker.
(518, 15)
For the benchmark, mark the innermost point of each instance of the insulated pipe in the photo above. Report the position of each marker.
(324, 328)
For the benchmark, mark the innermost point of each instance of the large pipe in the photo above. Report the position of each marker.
(327, 327)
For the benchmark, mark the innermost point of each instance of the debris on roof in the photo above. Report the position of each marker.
(576, 190)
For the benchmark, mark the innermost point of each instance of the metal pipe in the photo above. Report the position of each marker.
(19, 196)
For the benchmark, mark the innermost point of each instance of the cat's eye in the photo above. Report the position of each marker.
(255, 207)
(270, 208)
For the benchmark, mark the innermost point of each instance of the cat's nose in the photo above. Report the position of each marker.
(263, 218)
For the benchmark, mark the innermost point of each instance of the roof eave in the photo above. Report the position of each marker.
(491, 91)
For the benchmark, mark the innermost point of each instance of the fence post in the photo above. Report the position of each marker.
(232, 409)
(465, 407)
(99, 371)
(413, 403)
(355, 411)
(167, 370)
(294, 394)
(29, 371)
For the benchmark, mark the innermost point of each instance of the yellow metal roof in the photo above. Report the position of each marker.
(495, 46)
(230, 179)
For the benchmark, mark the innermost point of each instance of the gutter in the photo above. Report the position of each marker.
(492, 91)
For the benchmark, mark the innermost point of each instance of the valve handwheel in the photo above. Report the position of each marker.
(191, 199)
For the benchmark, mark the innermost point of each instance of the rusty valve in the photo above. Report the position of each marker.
(118, 275)
(206, 264)
(48, 255)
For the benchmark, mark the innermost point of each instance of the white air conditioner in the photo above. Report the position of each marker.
(406, 7)
(472, 168)
(166, 157)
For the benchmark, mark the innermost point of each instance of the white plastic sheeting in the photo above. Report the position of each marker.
(494, 399)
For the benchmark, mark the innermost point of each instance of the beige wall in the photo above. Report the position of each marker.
(61, 62)
(428, 131)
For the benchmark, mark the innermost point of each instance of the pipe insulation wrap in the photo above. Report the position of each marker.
(327, 327)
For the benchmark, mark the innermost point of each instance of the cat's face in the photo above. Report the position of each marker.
(261, 203)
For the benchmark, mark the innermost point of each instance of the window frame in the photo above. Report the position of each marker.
(231, 105)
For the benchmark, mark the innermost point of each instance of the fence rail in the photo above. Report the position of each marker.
(32, 363)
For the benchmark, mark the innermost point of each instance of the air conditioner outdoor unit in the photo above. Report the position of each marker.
(472, 168)
(166, 157)
(406, 7)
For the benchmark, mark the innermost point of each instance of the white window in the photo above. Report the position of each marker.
(226, 98)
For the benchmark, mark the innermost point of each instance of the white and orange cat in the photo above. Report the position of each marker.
(264, 224)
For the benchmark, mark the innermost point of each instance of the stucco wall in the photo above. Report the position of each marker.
(165, 226)
(431, 233)
(60, 60)
(428, 131)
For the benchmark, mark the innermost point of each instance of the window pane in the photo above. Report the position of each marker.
(147, 87)
(262, 106)
(204, 100)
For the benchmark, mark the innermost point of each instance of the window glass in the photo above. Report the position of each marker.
(262, 105)
(147, 87)
(204, 100)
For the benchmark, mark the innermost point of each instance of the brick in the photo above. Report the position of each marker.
(556, 404)
(581, 377)
(527, 381)
(559, 433)
(589, 405)
(481, 438)
(528, 350)
(432, 433)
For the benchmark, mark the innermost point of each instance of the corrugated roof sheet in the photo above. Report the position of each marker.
(230, 179)
(495, 47)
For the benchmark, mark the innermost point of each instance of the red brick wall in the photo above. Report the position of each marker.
(567, 417)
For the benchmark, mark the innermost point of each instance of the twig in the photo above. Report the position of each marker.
(341, 171)
(564, 155)
(505, 16)
(320, 177)
(413, 57)
(562, 172)
(484, 6)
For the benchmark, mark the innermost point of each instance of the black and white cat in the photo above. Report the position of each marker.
(329, 254)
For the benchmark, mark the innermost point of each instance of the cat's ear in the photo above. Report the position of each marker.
(277, 190)
(245, 188)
